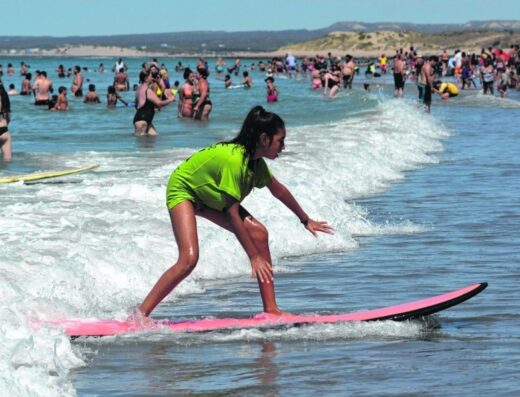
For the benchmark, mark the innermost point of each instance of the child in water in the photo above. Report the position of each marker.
(212, 183)
(113, 97)
(272, 90)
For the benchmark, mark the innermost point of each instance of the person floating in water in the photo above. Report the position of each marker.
(212, 184)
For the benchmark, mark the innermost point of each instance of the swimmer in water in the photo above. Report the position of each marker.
(62, 104)
(246, 80)
(227, 81)
(91, 96)
(272, 90)
(113, 97)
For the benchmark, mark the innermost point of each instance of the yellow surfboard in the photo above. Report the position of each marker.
(36, 176)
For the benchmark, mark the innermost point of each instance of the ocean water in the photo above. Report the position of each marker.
(421, 204)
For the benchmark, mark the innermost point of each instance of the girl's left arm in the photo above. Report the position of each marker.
(283, 194)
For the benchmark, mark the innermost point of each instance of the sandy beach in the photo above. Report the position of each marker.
(112, 51)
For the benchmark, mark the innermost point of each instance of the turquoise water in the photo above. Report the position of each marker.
(422, 204)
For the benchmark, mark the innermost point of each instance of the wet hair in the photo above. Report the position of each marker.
(28, 76)
(43, 73)
(187, 73)
(92, 87)
(11, 86)
(203, 72)
(176, 84)
(6, 103)
(437, 83)
(62, 89)
(227, 77)
(245, 74)
(257, 122)
(77, 68)
(434, 58)
(52, 102)
(111, 89)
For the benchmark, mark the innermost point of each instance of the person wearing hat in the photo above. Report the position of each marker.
(272, 90)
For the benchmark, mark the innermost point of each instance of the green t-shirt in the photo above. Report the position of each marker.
(219, 170)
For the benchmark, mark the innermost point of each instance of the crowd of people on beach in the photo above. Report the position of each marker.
(446, 74)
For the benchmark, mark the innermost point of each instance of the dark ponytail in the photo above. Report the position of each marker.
(257, 122)
(6, 103)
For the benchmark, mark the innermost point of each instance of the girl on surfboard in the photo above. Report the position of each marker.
(211, 184)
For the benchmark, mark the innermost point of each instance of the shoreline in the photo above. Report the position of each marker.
(116, 52)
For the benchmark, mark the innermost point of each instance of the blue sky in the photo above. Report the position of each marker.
(102, 17)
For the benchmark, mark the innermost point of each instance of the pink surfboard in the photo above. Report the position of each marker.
(406, 311)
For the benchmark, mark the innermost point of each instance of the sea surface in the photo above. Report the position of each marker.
(421, 204)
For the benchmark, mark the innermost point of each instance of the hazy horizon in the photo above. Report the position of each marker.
(97, 18)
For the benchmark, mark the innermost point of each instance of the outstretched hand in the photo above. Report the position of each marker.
(262, 269)
(318, 226)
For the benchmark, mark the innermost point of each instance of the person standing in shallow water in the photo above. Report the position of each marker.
(146, 101)
(77, 83)
(5, 114)
(212, 184)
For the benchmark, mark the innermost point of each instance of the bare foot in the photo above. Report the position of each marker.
(278, 312)
(137, 317)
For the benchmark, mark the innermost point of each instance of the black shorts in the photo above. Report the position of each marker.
(78, 93)
(3, 130)
(398, 81)
(41, 102)
(427, 98)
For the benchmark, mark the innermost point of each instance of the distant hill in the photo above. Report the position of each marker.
(387, 41)
(475, 26)
(229, 42)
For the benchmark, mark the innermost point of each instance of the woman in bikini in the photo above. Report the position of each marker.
(186, 94)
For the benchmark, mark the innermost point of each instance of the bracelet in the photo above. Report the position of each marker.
(305, 222)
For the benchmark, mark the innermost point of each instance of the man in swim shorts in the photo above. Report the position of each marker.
(399, 75)
(42, 88)
(77, 83)
(427, 74)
